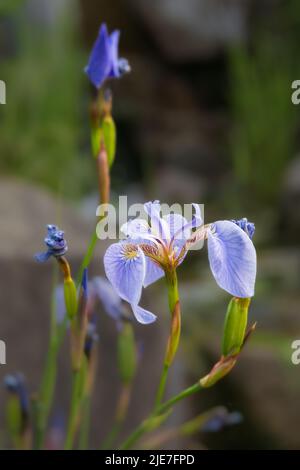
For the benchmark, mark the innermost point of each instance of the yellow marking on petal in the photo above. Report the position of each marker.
(130, 251)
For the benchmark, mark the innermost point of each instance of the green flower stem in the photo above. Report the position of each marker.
(87, 257)
(76, 402)
(104, 194)
(174, 337)
(121, 413)
(162, 409)
(85, 422)
(46, 393)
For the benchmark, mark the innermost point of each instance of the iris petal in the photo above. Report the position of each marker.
(42, 257)
(159, 226)
(232, 258)
(99, 64)
(135, 228)
(142, 315)
(108, 296)
(153, 272)
(125, 268)
(114, 54)
(177, 224)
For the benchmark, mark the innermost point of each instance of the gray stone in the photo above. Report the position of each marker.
(192, 29)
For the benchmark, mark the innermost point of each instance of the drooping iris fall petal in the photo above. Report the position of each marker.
(232, 258)
(125, 267)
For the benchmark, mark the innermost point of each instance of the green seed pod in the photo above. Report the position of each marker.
(108, 129)
(70, 297)
(235, 325)
(127, 354)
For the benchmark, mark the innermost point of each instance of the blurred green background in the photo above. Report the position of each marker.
(205, 116)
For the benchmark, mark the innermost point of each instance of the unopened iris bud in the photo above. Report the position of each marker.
(219, 371)
(174, 335)
(127, 353)
(108, 134)
(235, 325)
(70, 297)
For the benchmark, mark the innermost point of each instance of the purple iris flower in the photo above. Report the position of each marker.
(55, 242)
(152, 249)
(104, 61)
(15, 383)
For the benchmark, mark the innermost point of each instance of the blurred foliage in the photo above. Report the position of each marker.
(40, 125)
(7, 6)
(263, 139)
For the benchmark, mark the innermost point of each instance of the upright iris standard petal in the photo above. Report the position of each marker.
(136, 229)
(125, 268)
(184, 232)
(177, 224)
(159, 226)
(232, 258)
(99, 65)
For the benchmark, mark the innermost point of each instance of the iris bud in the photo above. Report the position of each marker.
(235, 325)
(174, 335)
(127, 354)
(220, 370)
(108, 135)
(70, 297)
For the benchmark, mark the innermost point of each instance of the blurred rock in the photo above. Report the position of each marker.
(192, 29)
(171, 184)
(290, 201)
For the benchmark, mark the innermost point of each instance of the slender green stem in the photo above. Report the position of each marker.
(161, 386)
(173, 296)
(76, 401)
(121, 412)
(88, 256)
(163, 408)
(177, 398)
(45, 397)
(85, 423)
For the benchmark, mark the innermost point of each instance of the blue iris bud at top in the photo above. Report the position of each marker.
(55, 242)
(245, 225)
(104, 61)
